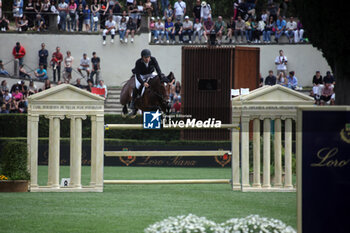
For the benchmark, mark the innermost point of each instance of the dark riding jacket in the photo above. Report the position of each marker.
(142, 69)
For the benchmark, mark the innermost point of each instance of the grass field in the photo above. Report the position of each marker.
(131, 208)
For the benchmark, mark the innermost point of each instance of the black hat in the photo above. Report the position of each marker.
(145, 53)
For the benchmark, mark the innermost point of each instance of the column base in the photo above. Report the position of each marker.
(288, 186)
(55, 186)
(236, 186)
(266, 186)
(256, 185)
(92, 183)
(278, 185)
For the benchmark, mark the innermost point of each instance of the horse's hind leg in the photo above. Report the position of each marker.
(125, 111)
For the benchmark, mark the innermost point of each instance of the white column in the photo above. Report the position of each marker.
(245, 151)
(76, 149)
(278, 157)
(256, 153)
(93, 151)
(236, 184)
(29, 121)
(54, 151)
(33, 135)
(267, 151)
(288, 153)
(71, 151)
(100, 131)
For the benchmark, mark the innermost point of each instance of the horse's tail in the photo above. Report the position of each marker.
(125, 94)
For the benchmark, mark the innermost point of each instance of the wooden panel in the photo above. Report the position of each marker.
(246, 67)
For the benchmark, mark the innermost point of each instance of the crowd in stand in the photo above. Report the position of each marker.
(167, 20)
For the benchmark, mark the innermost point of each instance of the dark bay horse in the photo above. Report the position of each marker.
(154, 97)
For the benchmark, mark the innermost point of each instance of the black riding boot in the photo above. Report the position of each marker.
(134, 96)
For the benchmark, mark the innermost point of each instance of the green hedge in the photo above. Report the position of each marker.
(15, 125)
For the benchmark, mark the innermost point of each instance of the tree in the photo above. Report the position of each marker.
(326, 25)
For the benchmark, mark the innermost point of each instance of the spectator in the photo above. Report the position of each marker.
(269, 27)
(281, 80)
(205, 11)
(281, 62)
(4, 109)
(4, 24)
(19, 52)
(41, 73)
(102, 85)
(240, 26)
(62, 12)
(43, 54)
(90, 85)
(197, 31)
(230, 29)
(80, 16)
(169, 30)
(327, 94)
(95, 8)
(259, 30)
(283, 8)
(109, 29)
(179, 10)
(329, 79)
(72, 9)
(14, 86)
(17, 95)
(3, 71)
(298, 33)
(78, 84)
(169, 12)
(153, 30)
(175, 92)
(122, 29)
(84, 65)
(264, 16)
(23, 24)
(45, 11)
(208, 27)
(280, 28)
(148, 7)
(17, 11)
(23, 73)
(272, 10)
(55, 63)
(117, 7)
(187, 28)
(219, 28)
(270, 79)
(13, 106)
(30, 13)
(176, 106)
(164, 4)
(133, 10)
(103, 13)
(317, 85)
(130, 29)
(129, 2)
(159, 27)
(68, 62)
(196, 12)
(248, 29)
(292, 81)
(155, 7)
(96, 68)
(7, 97)
(32, 89)
(290, 29)
(3, 86)
(47, 85)
(178, 30)
(39, 24)
(37, 6)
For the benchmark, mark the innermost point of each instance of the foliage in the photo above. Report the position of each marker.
(14, 160)
(192, 223)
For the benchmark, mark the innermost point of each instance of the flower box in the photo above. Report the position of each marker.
(13, 185)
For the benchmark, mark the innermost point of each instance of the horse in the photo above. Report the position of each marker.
(155, 97)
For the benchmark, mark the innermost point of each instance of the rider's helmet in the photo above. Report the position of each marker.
(145, 53)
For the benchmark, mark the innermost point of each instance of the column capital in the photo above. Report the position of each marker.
(61, 117)
(99, 117)
(34, 117)
(73, 116)
(288, 117)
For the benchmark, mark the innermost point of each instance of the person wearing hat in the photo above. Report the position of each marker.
(2, 69)
(178, 27)
(19, 52)
(84, 65)
(205, 11)
(188, 28)
(180, 10)
(143, 71)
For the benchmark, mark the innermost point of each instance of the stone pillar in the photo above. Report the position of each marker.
(278, 157)
(256, 153)
(236, 184)
(245, 151)
(288, 153)
(76, 149)
(267, 151)
(33, 121)
(93, 151)
(71, 151)
(100, 131)
(54, 151)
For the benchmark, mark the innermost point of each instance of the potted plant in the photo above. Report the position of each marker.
(14, 174)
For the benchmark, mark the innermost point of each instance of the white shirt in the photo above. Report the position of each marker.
(85, 61)
(197, 27)
(281, 65)
(63, 5)
(188, 24)
(291, 25)
(159, 26)
(130, 1)
(109, 24)
(205, 12)
(179, 8)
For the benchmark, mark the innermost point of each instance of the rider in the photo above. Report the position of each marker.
(144, 67)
